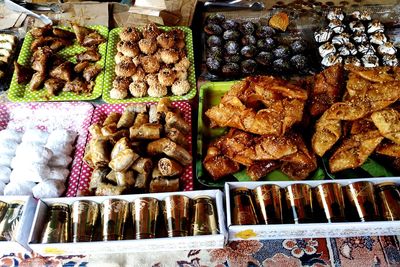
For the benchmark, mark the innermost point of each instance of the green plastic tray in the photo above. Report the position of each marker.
(21, 93)
(110, 66)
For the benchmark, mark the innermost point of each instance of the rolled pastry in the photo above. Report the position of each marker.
(176, 136)
(22, 188)
(123, 160)
(142, 180)
(114, 138)
(99, 153)
(174, 120)
(35, 136)
(122, 144)
(142, 165)
(109, 190)
(164, 185)
(148, 131)
(109, 129)
(126, 178)
(113, 117)
(5, 172)
(48, 189)
(154, 116)
(60, 160)
(141, 118)
(111, 177)
(171, 149)
(127, 119)
(98, 176)
(169, 167)
(95, 131)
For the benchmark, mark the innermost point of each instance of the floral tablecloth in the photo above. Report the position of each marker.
(354, 251)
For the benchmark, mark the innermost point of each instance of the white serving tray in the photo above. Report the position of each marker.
(125, 246)
(20, 244)
(308, 230)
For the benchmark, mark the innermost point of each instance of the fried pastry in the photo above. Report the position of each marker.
(63, 71)
(327, 89)
(23, 73)
(219, 165)
(37, 81)
(261, 168)
(91, 72)
(147, 131)
(41, 41)
(40, 58)
(81, 66)
(63, 33)
(81, 32)
(53, 86)
(93, 39)
(388, 123)
(169, 167)
(91, 54)
(148, 46)
(171, 149)
(327, 133)
(42, 31)
(388, 148)
(78, 86)
(354, 151)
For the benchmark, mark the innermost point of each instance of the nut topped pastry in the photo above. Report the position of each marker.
(159, 59)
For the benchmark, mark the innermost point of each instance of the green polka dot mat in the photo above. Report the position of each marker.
(110, 65)
(21, 93)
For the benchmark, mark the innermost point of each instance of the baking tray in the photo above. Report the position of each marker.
(110, 66)
(21, 93)
(99, 115)
(210, 95)
(74, 116)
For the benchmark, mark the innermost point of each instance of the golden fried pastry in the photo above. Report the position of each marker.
(181, 75)
(138, 89)
(151, 31)
(90, 72)
(63, 33)
(91, 54)
(166, 77)
(63, 71)
(388, 123)
(78, 86)
(116, 93)
(354, 151)
(151, 79)
(79, 67)
(157, 90)
(93, 39)
(119, 57)
(81, 32)
(166, 40)
(125, 69)
(327, 133)
(183, 64)
(139, 75)
(388, 148)
(148, 46)
(53, 86)
(58, 44)
(128, 48)
(37, 80)
(23, 73)
(150, 64)
(122, 83)
(169, 56)
(42, 31)
(180, 87)
(40, 58)
(130, 34)
(41, 42)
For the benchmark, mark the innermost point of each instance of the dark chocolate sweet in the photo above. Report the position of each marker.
(267, 44)
(265, 58)
(231, 35)
(282, 51)
(232, 58)
(247, 27)
(214, 40)
(217, 18)
(248, 66)
(298, 46)
(248, 51)
(213, 65)
(232, 47)
(281, 65)
(213, 29)
(249, 40)
(230, 24)
(299, 62)
(215, 51)
(265, 31)
(231, 69)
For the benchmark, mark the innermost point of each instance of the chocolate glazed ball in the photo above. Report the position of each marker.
(231, 69)
(248, 66)
(213, 65)
(232, 48)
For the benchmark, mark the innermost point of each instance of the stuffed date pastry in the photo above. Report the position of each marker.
(126, 178)
(127, 119)
(122, 144)
(148, 131)
(169, 167)
(123, 160)
(154, 116)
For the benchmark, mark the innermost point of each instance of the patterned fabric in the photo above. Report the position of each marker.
(353, 251)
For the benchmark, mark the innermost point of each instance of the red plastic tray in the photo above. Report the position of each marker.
(99, 115)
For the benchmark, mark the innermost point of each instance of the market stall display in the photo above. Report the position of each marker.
(8, 45)
(146, 64)
(58, 64)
